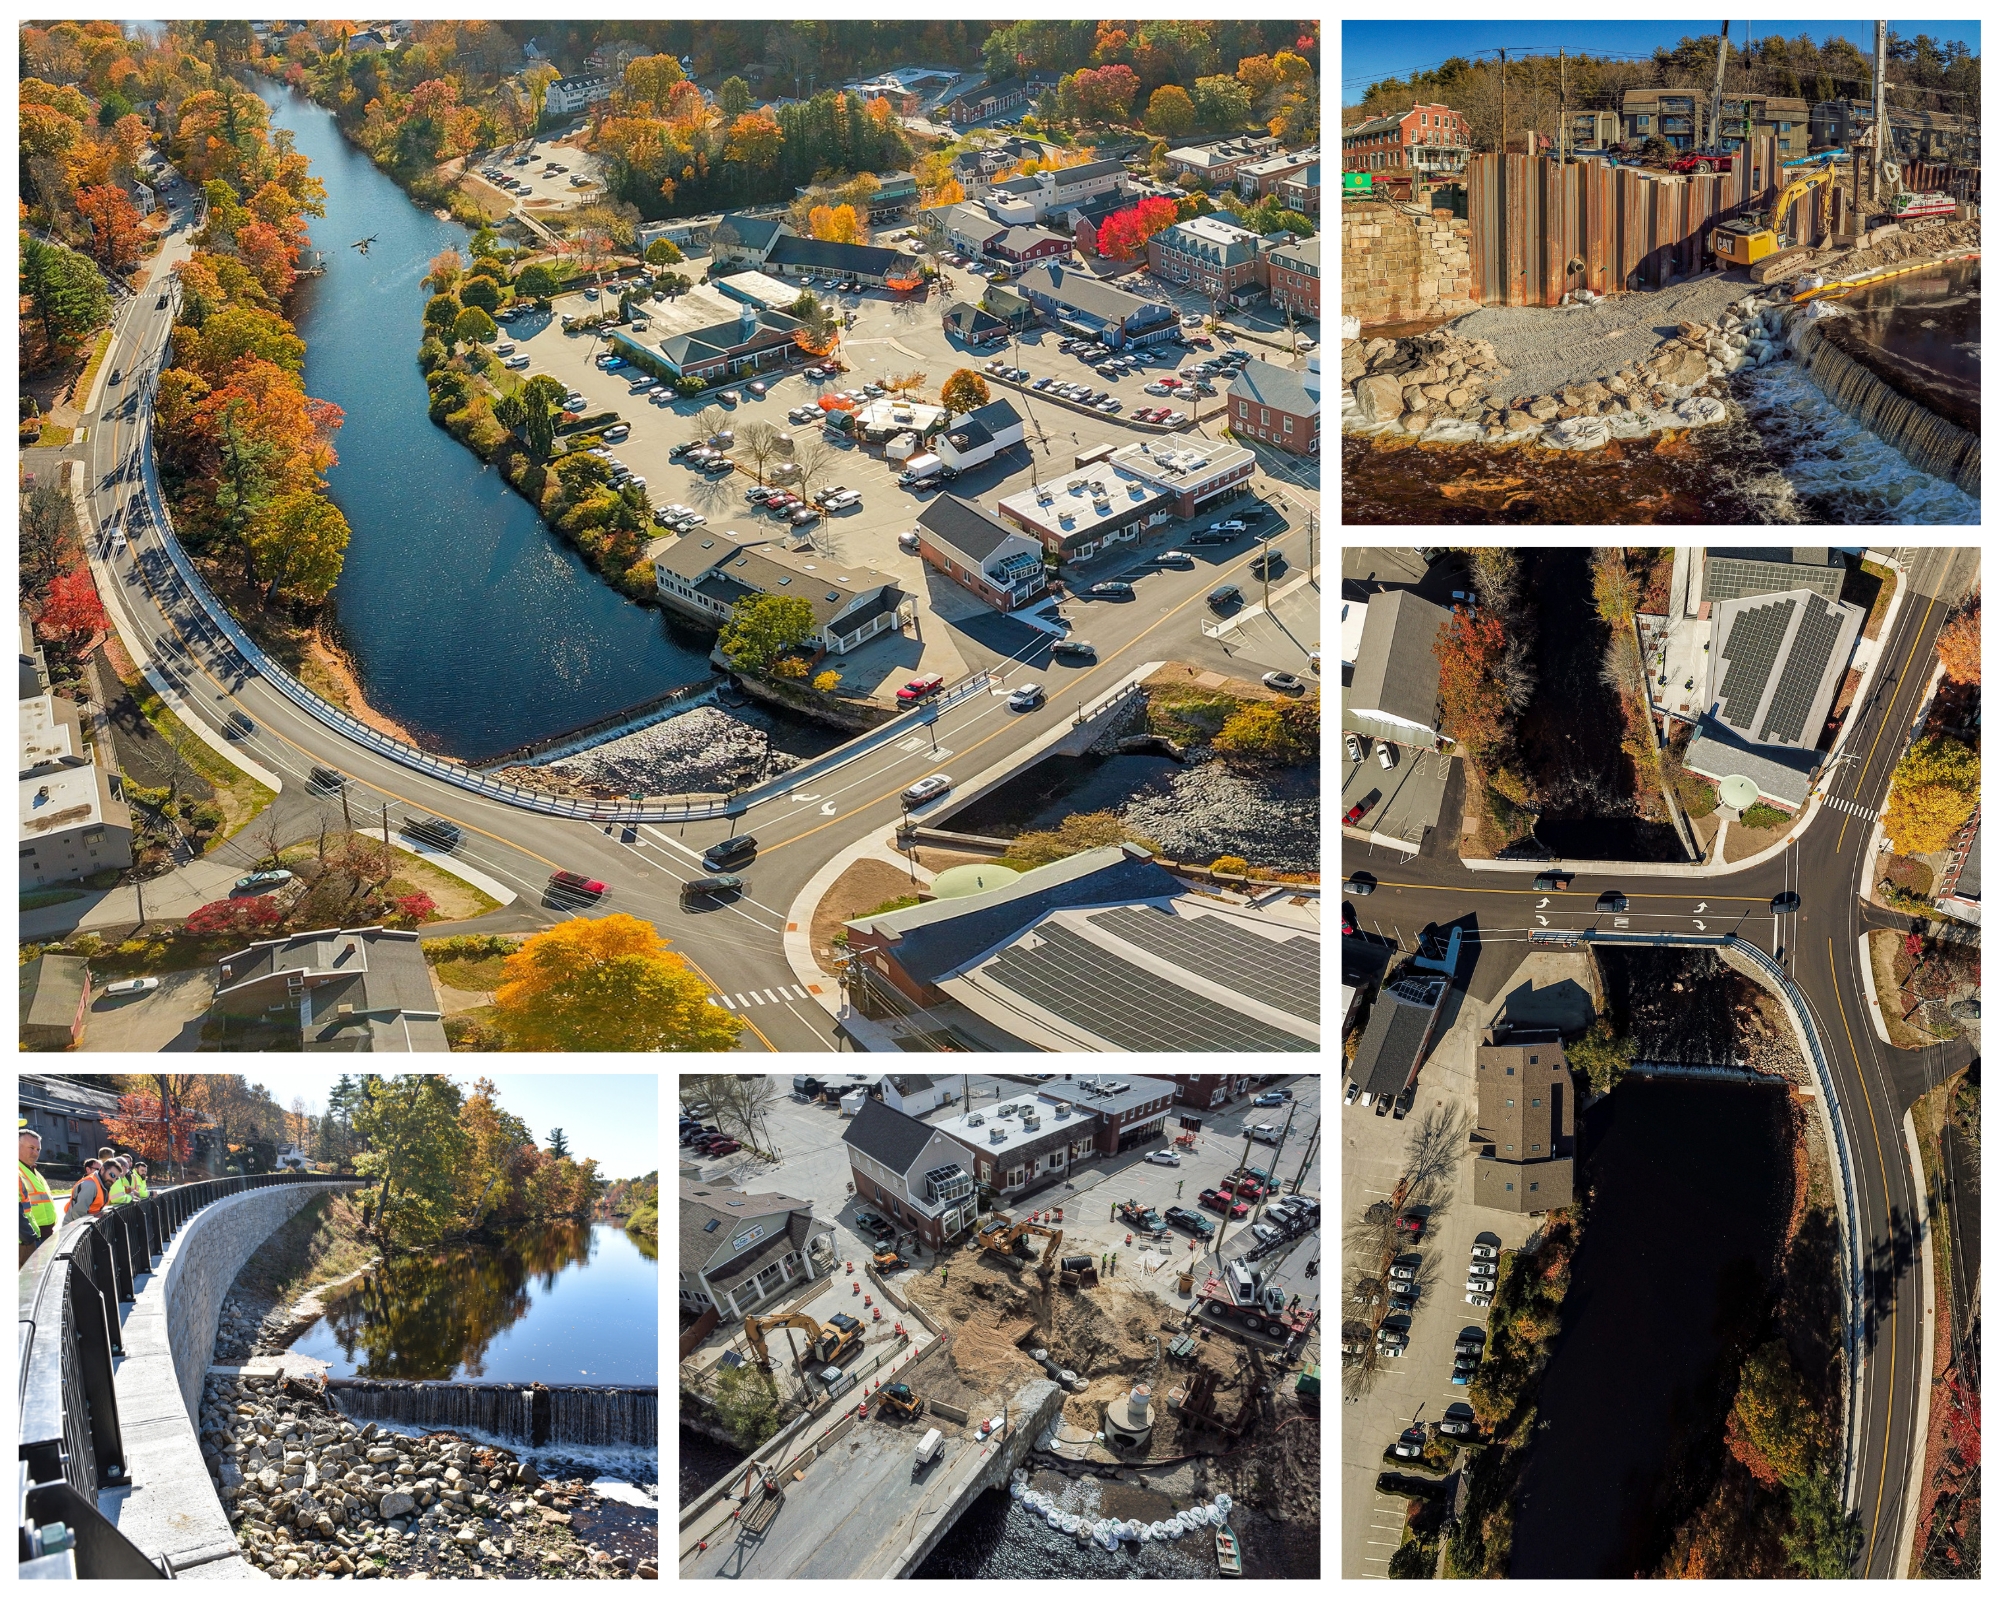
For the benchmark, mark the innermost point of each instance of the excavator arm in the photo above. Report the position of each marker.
(754, 1329)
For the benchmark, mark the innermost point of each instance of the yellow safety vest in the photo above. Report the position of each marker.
(37, 1204)
(120, 1194)
(139, 1189)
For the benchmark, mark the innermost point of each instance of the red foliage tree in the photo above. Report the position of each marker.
(114, 224)
(1468, 649)
(156, 1135)
(1958, 644)
(72, 613)
(1106, 93)
(1123, 234)
(236, 917)
(415, 907)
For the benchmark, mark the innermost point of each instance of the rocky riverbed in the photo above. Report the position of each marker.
(313, 1495)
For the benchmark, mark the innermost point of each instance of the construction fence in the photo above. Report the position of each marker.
(1542, 228)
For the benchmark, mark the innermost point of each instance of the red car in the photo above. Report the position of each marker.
(1413, 1226)
(1353, 815)
(1246, 1187)
(1346, 920)
(1216, 1200)
(720, 1147)
(575, 883)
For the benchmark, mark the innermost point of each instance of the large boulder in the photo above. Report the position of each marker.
(1544, 408)
(1378, 399)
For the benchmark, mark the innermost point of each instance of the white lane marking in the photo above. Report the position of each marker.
(803, 799)
(828, 809)
(1541, 902)
(1700, 926)
(1698, 910)
(1544, 921)
(776, 999)
(755, 997)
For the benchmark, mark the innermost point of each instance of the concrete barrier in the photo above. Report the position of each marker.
(170, 1506)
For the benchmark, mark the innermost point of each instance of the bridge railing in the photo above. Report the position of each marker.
(1823, 1074)
(71, 1442)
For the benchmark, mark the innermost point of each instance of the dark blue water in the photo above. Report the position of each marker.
(1693, 1186)
(469, 622)
(566, 1303)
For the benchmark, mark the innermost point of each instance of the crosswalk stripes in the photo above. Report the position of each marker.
(753, 997)
(1851, 809)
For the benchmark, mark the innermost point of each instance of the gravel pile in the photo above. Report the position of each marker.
(703, 751)
(312, 1495)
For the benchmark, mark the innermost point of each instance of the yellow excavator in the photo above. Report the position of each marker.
(1764, 243)
(1003, 1242)
(828, 1344)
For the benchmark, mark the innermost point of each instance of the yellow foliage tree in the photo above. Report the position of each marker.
(1958, 644)
(607, 984)
(836, 224)
(1935, 788)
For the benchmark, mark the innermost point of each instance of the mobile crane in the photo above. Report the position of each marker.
(1765, 242)
(826, 1344)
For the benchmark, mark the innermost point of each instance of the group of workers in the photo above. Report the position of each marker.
(109, 1179)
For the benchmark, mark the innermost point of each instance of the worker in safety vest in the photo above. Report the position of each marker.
(38, 1206)
(120, 1176)
(86, 1196)
(141, 1190)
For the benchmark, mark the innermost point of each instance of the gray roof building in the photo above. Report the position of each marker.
(1780, 773)
(1395, 689)
(350, 989)
(756, 234)
(1738, 572)
(54, 990)
(1265, 383)
(1398, 1034)
(966, 528)
(739, 1249)
(1776, 663)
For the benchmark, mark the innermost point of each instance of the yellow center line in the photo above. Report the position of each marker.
(167, 616)
(1889, 1408)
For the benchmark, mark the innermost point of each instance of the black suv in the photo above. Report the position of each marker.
(434, 831)
(1554, 880)
(1612, 900)
(1193, 1221)
(721, 855)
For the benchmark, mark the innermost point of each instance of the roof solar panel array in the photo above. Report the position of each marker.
(1282, 974)
(1752, 650)
(1798, 684)
(1068, 976)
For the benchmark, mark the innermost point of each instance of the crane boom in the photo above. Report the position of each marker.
(1715, 96)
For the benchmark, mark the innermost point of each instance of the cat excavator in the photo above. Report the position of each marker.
(828, 1344)
(1003, 1242)
(1765, 243)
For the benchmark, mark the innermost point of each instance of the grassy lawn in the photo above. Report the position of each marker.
(1885, 591)
(1883, 943)
(54, 438)
(456, 900)
(482, 976)
(240, 796)
(36, 899)
(80, 395)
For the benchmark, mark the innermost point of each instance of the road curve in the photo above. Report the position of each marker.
(1820, 947)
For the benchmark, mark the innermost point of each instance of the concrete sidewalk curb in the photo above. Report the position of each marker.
(823, 986)
(208, 736)
(1920, 1434)
(1231, 624)
(1656, 869)
(1868, 983)
(444, 861)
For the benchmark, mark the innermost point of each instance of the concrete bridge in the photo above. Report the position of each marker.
(168, 1505)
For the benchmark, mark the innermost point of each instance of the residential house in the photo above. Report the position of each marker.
(1394, 694)
(346, 989)
(741, 240)
(912, 1093)
(1209, 254)
(1015, 311)
(1292, 275)
(701, 575)
(1205, 1091)
(1300, 191)
(1399, 1034)
(1216, 165)
(738, 1250)
(365, 39)
(1277, 405)
(55, 999)
(569, 95)
(980, 435)
(1592, 132)
(1260, 178)
(914, 1171)
(968, 229)
(1079, 304)
(1527, 1124)
(613, 56)
(1432, 140)
(994, 99)
(973, 325)
(1101, 951)
(978, 170)
(1021, 245)
(980, 553)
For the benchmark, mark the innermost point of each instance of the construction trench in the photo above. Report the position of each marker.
(1607, 373)
(1224, 1419)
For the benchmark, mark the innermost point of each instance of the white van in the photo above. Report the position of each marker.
(929, 1447)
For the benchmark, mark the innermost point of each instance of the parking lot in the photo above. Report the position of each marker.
(528, 163)
(1399, 802)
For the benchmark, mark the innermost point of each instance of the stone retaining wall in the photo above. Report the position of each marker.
(1402, 268)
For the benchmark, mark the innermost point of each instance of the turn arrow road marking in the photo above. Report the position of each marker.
(1541, 902)
(827, 809)
(1698, 910)
(1544, 921)
(1701, 927)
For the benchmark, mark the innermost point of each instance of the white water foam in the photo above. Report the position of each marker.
(616, 1472)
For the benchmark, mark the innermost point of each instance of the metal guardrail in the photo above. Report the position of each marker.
(71, 1442)
(1824, 1075)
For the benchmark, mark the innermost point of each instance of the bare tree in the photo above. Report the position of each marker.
(757, 442)
(813, 457)
(739, 1104)
(268, 836)
(710, 420)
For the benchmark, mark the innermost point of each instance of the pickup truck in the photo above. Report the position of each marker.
(919, 469)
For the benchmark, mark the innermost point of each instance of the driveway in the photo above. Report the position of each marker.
(168, 1019)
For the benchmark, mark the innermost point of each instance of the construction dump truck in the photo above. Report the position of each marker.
(827, 1344)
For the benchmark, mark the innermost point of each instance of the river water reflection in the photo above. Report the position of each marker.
(564, 1303)
(469, 622)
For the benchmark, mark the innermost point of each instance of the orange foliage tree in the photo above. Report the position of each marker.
(114, 224)
(1470, 696)
(1958, 644)
(158, 1131)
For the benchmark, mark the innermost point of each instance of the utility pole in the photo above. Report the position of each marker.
(1503, 106)
(385, 825)
(346, 812)
(1881, 111)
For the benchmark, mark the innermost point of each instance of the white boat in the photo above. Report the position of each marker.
(1228, 1558)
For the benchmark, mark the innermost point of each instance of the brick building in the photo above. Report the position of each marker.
(1277, 405)
(1429, 139)
(1204, 1091)
(1211, 255)
(1292, 273)
(1021, 1145)
(1527, 1124)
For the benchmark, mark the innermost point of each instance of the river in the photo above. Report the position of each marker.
(1676, 1270)
(1920, 334)
(563, 1303)
(468, 621)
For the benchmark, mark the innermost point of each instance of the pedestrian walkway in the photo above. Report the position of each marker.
(1852, 809)
(757, 997)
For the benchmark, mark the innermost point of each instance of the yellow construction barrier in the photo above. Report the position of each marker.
(1843, 285)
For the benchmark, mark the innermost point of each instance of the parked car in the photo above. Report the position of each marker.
(869, 1222)
(722, 885)
(1457, 1426)
(1267, 1233)
(1402, 1270)
(1554, 880)
(1284, 683)
(1193, 1221)
(1478, 1298)
(1173, 558)
(1271, 1097)
(1216, 1200)
(1112, 589)
(1353, 1089)
(920, 688)
(129, 986)
(433, 831)
(722, 1147)
(259, 882)
(1485, 1252)
(1480, 1285)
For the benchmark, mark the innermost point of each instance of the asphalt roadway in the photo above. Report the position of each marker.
(737, 947)
(1820, 947)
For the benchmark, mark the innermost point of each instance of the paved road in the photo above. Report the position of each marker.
(737, 948)
(1819, 946)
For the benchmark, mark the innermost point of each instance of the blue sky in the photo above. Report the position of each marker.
(612, 1116)
(1371, 51)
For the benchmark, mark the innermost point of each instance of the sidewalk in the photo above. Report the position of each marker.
(168, 898)
(824, 986)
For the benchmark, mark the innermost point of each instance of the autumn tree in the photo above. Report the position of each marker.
(480, 291)
(1472, 701)
(1958, 644)
(72, 614)
(441, 312)
(607, 984)
(153, 1127)
(1933, 791)
(838, 224)
(237, 918)
(1783, 1431)
(541, 407)
(1123, 234)
(536, 282)
(50, 541)
(1602, 1055)
(474, 326)
(1170, 112)
(115, 234)
(762, 627)
(964, 390)
(298, 544)
(649, 80)
(1614, 586)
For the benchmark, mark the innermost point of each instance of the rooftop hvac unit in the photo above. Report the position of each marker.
(1061, 1112)
(997, 1136)
(976, 1120)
